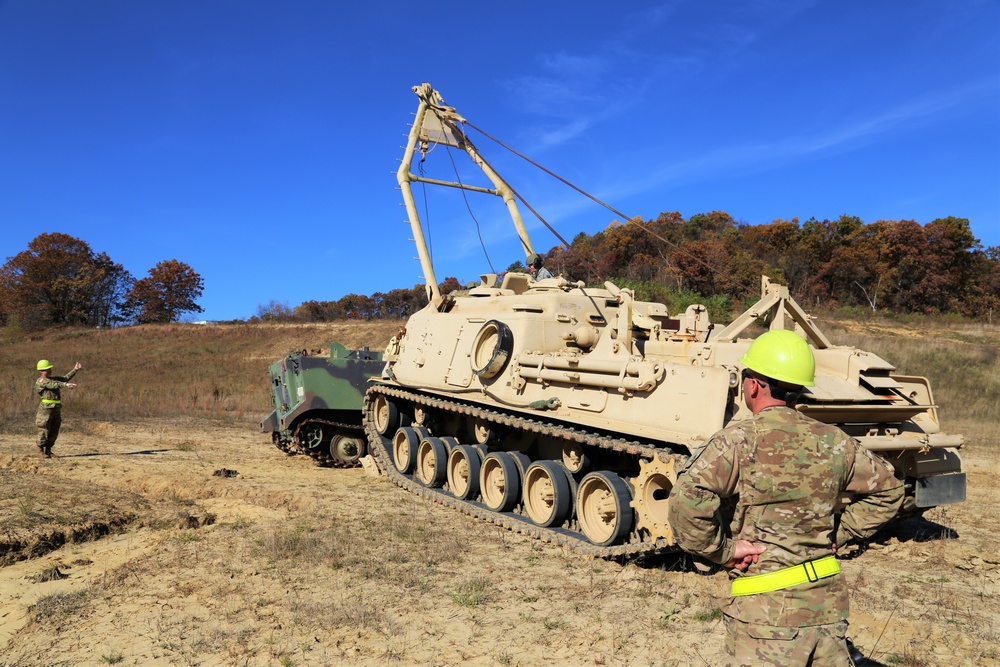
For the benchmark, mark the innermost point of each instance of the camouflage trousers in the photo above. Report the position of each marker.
(814, 646)
(48, 421)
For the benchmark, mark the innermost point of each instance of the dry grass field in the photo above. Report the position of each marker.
(126, 549)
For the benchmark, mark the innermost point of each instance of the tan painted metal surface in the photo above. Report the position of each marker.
(570, 358)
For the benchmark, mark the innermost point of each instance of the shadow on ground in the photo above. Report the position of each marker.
(138, 453)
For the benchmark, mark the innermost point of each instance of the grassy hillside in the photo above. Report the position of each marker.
(219, 370)
(176, 370)
(961, 359)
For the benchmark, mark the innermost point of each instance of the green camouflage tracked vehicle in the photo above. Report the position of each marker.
(317, 403)
(565, 411)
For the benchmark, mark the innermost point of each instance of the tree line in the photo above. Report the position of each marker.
(895, 266)
(60, 280)
(398, 303)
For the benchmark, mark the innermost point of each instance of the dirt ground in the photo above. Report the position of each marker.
(127, 549)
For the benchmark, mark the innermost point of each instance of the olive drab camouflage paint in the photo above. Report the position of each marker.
(317, 403)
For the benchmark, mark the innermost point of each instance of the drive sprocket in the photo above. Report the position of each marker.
(651, 489)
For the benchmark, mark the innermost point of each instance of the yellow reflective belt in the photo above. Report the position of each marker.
(787, 577)
(49, 401)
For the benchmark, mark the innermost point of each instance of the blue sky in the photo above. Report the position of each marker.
(258, 141)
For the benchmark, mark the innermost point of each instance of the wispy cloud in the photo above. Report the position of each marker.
(760, 156)
(553, 96)
(912, 113)
(571, 92)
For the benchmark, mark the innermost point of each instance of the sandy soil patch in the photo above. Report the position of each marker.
(291, 564)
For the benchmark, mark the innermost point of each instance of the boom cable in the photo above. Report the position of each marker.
(586, 194)
(468, 206)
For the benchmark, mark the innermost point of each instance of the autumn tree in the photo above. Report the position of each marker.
(274, 311)
(166, 293)
(700, 266)
(357, 306)
(574, 263)
(631, 250)
(953, 266)
(60, 280)
(706, 226)
(396, 303)
(402, 303)
(319, 311)
(983, 300)
(449, 285)
(112, 283)
(776, 245)
(819, 241)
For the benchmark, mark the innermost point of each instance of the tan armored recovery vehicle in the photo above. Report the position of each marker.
(565, 411)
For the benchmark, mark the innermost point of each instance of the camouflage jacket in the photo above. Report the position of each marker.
(779, 475)
(49, 389)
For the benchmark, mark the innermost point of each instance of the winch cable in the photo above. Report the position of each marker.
(569, 248)
(592, 198)
(468, 206)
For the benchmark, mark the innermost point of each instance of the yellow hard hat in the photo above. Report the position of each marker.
(782, 355)
(44, 365)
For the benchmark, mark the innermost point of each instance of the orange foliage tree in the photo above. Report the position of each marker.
(60, 280)
(166, 293)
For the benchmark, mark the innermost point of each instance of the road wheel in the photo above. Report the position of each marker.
(547, 495)
(603, 509)
(432, 462)
(404, 449)
(651, 493)
(463, 472)
(347, 449)
(386, 415)
(484, 432)
(499, 482)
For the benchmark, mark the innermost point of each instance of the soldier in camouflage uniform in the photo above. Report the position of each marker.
(48, 419)
(781, 475)
(535, 268)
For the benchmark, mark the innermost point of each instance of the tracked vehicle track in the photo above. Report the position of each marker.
(520, 523)
(321, 454)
